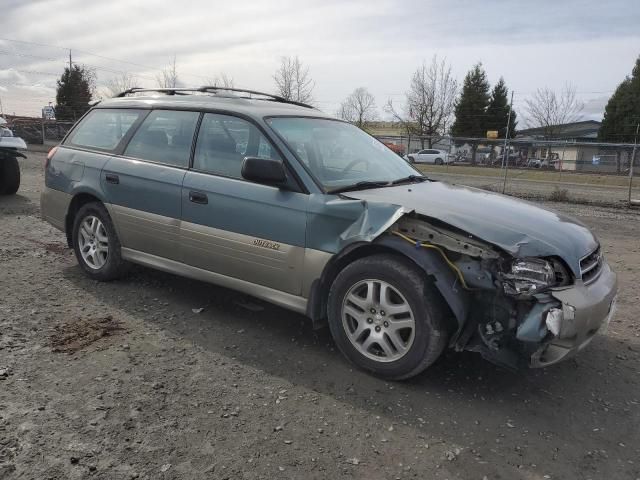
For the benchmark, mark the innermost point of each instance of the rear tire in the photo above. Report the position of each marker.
(96, 243)
(400, 342)
(439, 161)
(9, 175)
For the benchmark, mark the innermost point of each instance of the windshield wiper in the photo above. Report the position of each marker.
(410, 178)
(360, 186)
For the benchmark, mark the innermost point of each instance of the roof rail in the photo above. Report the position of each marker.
(214, 90)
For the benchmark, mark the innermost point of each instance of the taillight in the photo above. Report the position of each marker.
(50, 155)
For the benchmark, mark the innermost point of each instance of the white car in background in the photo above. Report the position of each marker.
(438, 157)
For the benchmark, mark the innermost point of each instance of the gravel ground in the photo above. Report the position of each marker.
(126, 380)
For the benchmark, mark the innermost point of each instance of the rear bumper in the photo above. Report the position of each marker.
(585, 310)
(54, 206)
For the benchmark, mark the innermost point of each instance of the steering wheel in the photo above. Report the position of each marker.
(353, 163)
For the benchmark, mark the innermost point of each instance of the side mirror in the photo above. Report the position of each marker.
(264, 170)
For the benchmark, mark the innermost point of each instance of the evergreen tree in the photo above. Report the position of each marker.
(471, 107)
(73, 95)
(498, 111)
(622, 113)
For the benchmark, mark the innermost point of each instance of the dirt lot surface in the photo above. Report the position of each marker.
(127, 380)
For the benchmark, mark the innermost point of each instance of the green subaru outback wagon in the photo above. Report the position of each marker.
(278, 200)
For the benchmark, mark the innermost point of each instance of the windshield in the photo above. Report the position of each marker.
(339, 154)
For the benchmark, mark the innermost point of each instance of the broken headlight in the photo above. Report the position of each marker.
(529, 276)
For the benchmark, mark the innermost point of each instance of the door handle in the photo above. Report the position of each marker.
(112, 178)
(198, 197)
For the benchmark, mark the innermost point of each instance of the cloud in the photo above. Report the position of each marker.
(346, 43)
(12, 76)
(594, 108)
(41, 90)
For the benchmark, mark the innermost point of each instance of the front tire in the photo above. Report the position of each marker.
(9, 175)
(96, 243)
(386, 317)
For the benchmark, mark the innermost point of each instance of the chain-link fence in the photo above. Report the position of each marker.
(40, 131)
(559, 170)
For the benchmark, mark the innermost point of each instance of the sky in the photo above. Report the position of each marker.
(376, 44)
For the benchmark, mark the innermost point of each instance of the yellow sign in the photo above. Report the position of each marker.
(492, 133)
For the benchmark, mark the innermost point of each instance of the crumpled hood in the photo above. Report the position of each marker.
(516, 226)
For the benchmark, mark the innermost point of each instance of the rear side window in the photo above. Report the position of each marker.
(223, 143)
(103, 129)
(165, 136)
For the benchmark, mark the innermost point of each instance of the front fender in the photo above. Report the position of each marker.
(434, 266)
(428, 260)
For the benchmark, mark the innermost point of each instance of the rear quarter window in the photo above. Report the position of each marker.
(104, 129)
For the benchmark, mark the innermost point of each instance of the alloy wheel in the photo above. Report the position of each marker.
(378, 320)
(93, 242)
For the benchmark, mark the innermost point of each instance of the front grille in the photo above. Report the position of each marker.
(591, 265)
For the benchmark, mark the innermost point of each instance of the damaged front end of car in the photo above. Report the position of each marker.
(516, 311)
(526, 286)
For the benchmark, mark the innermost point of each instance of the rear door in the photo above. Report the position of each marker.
(234, 227)
(144, 184)
(424, 157)
(431, 156)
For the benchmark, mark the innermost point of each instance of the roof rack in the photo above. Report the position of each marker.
(214, 90)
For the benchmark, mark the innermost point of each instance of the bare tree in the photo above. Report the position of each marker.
(223, 80)
(550, 110)
(119, 83)
(358, 108)
(168, 77)
(429, 102)
(293, 81)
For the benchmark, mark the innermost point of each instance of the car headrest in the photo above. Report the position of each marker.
(221, 143)
(154, 137)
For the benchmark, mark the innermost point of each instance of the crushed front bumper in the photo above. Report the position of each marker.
(585, 309)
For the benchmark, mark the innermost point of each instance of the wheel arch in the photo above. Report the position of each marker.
(427, 260)
(80, 198)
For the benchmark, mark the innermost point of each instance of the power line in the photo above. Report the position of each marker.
(32, 43)
(116, 60)
(86, 52)
(27, 55)
(35, 72)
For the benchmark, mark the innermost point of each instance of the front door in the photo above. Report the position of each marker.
(144, 185)
(234, 227)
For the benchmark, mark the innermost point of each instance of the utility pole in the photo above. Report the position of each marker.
(70, 63)
(633, 157)
(507, 134)
(505, 157)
